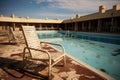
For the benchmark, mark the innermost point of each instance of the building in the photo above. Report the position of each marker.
(105, 21)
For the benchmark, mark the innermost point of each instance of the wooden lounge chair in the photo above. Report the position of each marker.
(41, 50)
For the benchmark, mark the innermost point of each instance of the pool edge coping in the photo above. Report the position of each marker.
(102, 74)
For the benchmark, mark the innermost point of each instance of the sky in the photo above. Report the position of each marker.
(52, 9)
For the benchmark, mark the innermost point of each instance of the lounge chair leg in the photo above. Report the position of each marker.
(49, 73)
(64, 60)
(49, 70)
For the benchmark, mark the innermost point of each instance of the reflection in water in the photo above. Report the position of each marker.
(116, 52)
(99, 56)
(103, 70)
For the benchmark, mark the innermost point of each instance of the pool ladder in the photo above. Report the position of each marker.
(68, 35)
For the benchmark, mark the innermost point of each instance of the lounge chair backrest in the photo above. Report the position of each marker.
(31, 37)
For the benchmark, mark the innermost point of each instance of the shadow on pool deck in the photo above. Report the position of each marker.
(14, 69)
(11, 69)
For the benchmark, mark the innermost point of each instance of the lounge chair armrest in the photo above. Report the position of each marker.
(55, 45)
(38, 50)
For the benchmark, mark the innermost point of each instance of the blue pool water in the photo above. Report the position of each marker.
(92, 50)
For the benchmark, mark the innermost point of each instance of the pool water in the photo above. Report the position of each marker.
(102, 56)
(96, 54)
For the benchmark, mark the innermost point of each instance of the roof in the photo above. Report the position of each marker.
(107, 14)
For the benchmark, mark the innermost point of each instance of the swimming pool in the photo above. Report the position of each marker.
(91, 48)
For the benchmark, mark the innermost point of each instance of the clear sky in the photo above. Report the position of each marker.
(51, 9)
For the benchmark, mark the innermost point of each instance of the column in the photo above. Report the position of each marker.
(52, 27)
(89, 26)
(82, 26)
(112, 25)
(65, 26)
(13, 26)
(40, 26)
(76, 26)
(99, 25)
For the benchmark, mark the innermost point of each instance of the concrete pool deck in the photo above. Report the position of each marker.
(11, 67)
